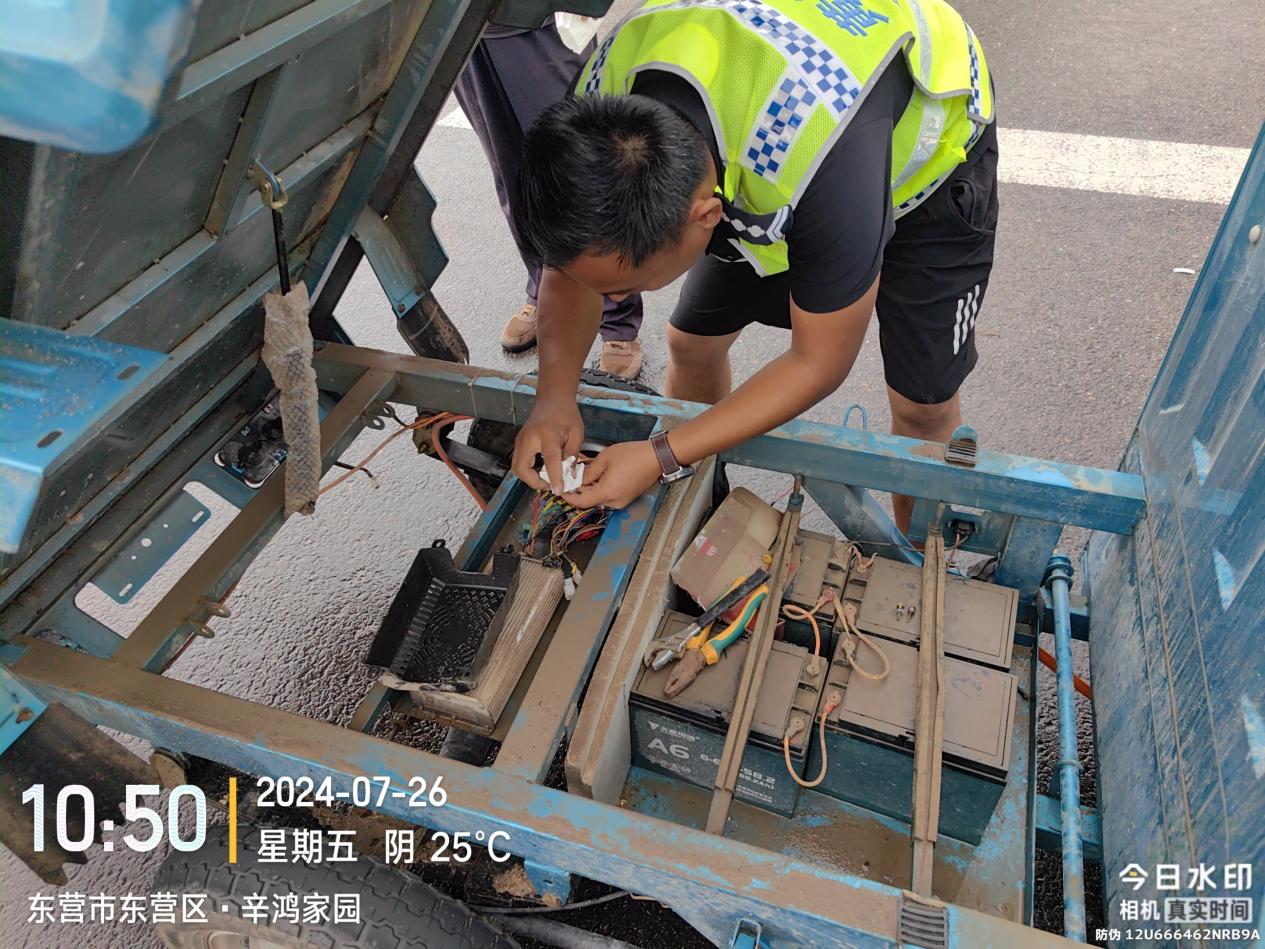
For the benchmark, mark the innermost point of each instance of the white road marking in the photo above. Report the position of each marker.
(1176, 170)
(1173, 170)
(456, 119)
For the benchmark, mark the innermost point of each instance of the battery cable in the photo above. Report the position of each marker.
(847, 618)
(833, 703)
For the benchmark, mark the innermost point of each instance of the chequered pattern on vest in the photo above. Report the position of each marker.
(787, 109)
(911, 203)
(599, 63)
(819, 68)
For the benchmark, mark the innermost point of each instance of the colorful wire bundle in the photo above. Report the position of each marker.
(563, 524)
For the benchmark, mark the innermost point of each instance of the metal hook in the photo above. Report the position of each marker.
(271, 190)
(865, 419)
(273, 194)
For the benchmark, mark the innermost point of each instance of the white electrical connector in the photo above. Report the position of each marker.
(572, 475)
(568, 588)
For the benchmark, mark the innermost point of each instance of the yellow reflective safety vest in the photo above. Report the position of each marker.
(782, 79)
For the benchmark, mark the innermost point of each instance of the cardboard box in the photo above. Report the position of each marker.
(732, 545)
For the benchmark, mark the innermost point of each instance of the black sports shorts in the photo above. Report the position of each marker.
(931, 285)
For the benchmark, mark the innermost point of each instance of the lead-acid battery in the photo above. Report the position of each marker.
(683, 737)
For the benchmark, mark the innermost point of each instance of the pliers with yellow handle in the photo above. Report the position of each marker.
(702, 650)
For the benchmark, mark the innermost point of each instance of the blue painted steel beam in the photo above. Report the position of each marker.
(548, 708)
(1050, 828)
(391, 263)
(862, 520)
(711, 881)
(1059, 576)
(158, 449)
(47, 419)
(1071, 494)
(19, 708)
(478, 543)
(436, 32)
(155, 641)
(217, 75)
(548, 882)
(233, 187)
(1028, 547)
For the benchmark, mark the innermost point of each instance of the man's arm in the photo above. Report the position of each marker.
(824, 347)
(567, 321)
(568, 317)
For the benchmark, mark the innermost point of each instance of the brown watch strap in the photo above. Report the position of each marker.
(668, 464)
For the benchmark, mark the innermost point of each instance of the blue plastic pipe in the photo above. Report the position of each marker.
(1058, 575)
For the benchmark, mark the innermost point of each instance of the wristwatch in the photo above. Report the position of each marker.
(672, 469)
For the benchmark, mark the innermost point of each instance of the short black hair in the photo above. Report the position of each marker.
(607, 174)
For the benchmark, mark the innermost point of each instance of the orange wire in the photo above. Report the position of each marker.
(431, 422)
(439, 450)
(420, 423)
(821, 735)
(799, 613)
(1080, 684)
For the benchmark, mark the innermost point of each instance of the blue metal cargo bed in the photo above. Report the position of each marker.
(136, 253)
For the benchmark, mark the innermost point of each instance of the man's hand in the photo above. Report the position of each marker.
(553, 431)
(617, 477)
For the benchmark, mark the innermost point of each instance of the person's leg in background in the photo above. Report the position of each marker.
(717, 301)
(935, 276)
(510, 79)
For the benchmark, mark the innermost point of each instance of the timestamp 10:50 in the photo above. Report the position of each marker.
(76, 827)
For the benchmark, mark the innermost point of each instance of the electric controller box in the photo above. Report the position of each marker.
(683, 737)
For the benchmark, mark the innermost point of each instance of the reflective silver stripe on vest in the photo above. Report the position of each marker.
(929, 131)
(924, 41)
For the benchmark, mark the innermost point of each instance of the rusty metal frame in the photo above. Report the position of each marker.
(1096, 498)
(710, 880)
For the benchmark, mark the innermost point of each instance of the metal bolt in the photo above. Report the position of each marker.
(25, 715)
(400, 307)
(1254, 235)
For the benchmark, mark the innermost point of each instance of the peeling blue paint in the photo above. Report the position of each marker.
(1254, 726)
(88, 76)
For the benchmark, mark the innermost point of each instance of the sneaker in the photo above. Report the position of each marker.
(620, 357)
(519, 334)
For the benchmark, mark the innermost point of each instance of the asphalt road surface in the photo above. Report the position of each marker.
(1083, 300)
